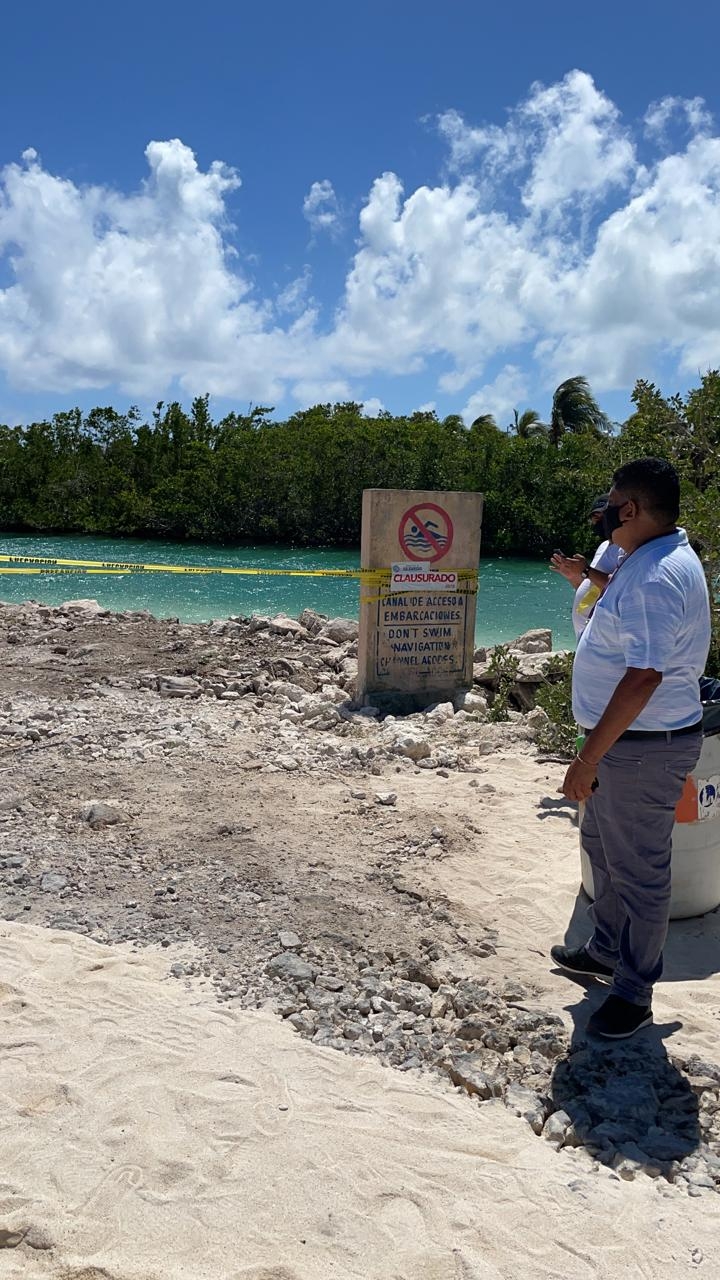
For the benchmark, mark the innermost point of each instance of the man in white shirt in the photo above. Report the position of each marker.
(636, 695)
(588, 580)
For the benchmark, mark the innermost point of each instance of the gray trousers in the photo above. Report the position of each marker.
(627, 834)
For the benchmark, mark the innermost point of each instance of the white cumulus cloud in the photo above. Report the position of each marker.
(692, 112)
(320, 206)
(506, 392)
(552, 246)
(565, 140)
(133, 290)
(372, 407)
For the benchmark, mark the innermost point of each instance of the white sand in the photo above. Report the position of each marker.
(149, 1133)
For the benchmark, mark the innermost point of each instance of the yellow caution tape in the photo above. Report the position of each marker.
(46, 572)
(31, 564)
(369, 577)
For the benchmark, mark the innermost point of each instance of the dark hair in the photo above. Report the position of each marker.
(654, 485)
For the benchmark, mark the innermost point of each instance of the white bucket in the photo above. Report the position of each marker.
(696, 840)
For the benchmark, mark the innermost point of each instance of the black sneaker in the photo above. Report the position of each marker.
(581, 963)
(617, 1019)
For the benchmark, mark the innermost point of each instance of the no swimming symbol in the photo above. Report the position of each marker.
(425, 532)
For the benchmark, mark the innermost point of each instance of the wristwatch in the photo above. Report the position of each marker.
(586, 572)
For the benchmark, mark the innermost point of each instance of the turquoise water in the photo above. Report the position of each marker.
(514, 594)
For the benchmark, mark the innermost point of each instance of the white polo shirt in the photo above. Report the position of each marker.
(654, 613)
(606, 559)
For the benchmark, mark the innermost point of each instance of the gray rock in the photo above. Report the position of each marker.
(53, 882)
(340, 630)
(312, 621)
(556, 1127)
(284, 689)
(179, 687)
(411, 746)
(288, 763)
(290, 967)
(87, 607)
(613, 1132)
(471, 701)
(524, 1103)
(626, 1169)
(386, 797)
(533, 665)
(282, 626)
(537, 641)
(700, 1178)
(303, 1022)
(664, 1146)
(321, 1001)
(99, 814)
(465, 1071)
(702, 1084)
(473, 1027)
(442, 1002)
(640, 1157)
(413, 997)
(470, 997)
(329, 982)
(421, 971)
(289, 941)
(439, 712)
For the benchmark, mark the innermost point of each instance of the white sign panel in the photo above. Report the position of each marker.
(709, 798)
(411, 575)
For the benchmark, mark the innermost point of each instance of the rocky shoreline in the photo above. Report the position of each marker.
(215, 790)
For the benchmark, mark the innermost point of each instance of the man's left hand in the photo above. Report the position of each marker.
(579, 779)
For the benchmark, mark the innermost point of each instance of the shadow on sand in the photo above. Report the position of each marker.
(627, 1103)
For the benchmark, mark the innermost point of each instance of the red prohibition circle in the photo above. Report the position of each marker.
(420, 539)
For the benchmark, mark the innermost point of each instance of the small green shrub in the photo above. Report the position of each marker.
(504, 667)
(555, 697)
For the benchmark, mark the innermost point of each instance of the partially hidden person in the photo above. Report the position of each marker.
(636, 696)
(588, 580)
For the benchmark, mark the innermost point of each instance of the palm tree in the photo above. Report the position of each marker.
(575, 409)
(527, 425)
(485, 420)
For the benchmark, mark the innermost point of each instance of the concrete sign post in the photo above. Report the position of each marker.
(419, 557)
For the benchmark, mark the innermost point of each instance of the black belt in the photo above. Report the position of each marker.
(644, 735)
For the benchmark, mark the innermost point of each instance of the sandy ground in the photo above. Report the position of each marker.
(151, 1132)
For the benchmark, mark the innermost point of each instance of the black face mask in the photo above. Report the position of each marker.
(611, 520)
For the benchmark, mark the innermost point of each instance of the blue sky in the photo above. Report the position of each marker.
(397, 203)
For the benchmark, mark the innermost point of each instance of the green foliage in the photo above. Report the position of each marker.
(528, 424)
(504, 667)
(575, 410)
(555, 697)
(686, 431)
(248, 478)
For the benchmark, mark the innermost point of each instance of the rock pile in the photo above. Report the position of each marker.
(630, 1109)
(293, 687)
